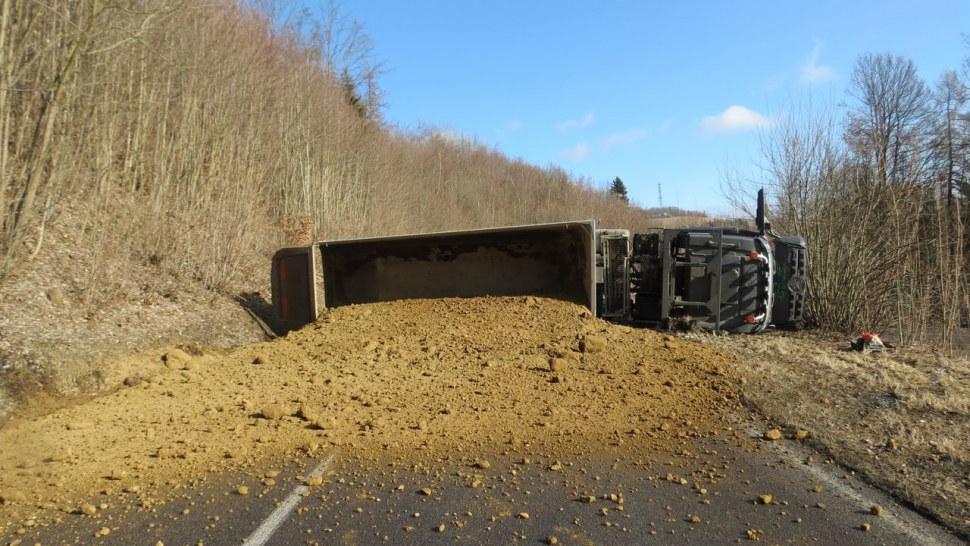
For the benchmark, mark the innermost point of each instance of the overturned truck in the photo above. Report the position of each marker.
(720, 279)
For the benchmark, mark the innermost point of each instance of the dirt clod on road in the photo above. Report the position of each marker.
(474, 376)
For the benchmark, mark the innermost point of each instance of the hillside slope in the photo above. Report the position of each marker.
(153, 164)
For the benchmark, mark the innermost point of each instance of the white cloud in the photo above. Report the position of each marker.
(620, 139)
(575, 124)
(813, 72)
(577, 153)
(735, 118)
(509, 128)
(665, 125)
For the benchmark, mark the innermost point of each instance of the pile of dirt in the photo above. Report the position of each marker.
(424, 377)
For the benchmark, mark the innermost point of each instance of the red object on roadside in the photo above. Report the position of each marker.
(872, 341)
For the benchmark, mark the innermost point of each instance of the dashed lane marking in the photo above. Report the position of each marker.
(269, 526)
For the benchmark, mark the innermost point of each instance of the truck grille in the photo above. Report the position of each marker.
(796, 302)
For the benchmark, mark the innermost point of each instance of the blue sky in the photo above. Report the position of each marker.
(672, 94)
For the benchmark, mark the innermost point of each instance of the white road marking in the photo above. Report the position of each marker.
(902, 521)
(899, 524)
(265, 531)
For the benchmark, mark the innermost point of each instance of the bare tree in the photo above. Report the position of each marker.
(950, 143)
(348, 52)
(966, 60)
(885, 253)
(887, 110)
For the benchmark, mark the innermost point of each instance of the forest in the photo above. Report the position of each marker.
(198, 137)
(188, 140)
(878, 185)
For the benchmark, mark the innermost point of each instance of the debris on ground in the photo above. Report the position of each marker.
(421, 376)
(773, 434)
(871, 342)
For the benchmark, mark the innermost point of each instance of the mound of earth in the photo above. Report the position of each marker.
(422, 377)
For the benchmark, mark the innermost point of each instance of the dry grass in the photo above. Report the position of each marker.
(901, 418)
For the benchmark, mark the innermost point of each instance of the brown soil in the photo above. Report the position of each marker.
(65, 330)
(417, 377)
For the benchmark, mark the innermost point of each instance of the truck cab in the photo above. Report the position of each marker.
(714, 278)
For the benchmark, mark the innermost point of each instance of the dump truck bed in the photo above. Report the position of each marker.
(553, 260)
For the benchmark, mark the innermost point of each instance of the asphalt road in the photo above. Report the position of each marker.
(705, 494)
